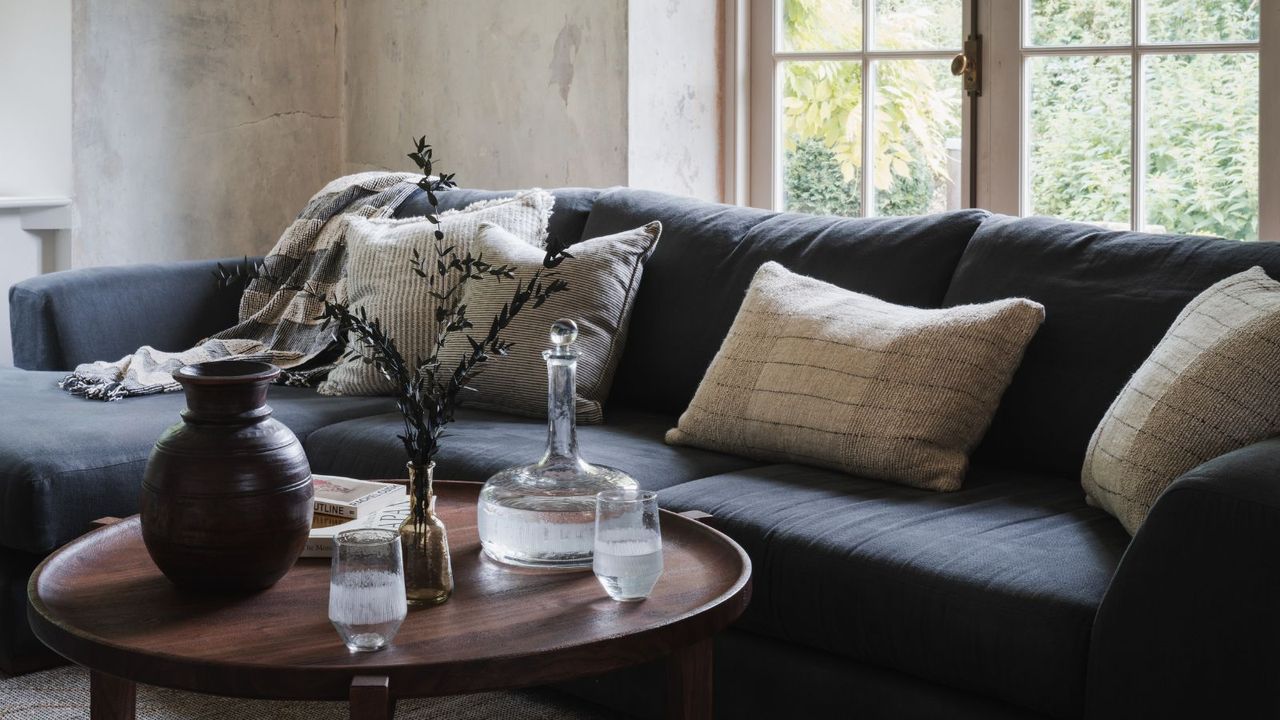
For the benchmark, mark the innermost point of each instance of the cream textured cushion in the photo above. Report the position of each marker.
(603, 276)
(815, 374)
(1212, 385)
(381, 282)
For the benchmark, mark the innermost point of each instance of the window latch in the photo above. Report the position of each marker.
(968, 65)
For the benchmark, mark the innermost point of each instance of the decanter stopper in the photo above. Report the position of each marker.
(564, 333)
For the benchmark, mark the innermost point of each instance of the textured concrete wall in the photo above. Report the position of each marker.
(200, 128)
(510, 93)
(674, 97)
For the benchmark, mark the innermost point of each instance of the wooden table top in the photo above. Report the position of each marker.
(102, 603)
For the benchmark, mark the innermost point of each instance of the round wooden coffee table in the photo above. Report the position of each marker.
(102, 603)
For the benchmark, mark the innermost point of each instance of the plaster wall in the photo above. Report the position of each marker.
(511, 94)
(200, 128)
(674, 101)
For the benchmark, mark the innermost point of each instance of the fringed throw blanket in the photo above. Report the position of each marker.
(278, 323)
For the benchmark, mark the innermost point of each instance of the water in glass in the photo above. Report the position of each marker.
(628, 543)
(366, 588)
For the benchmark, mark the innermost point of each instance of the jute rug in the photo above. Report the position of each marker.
(63, 694)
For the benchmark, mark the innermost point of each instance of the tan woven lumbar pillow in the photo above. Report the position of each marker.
(1209, 387)
(815, 374)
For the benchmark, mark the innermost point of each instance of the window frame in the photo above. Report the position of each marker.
(1004, 168)
(994, 130)
(766, 59)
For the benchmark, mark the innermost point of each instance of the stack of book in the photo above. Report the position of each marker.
(347, 504)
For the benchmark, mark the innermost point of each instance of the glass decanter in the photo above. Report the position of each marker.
(543, 515)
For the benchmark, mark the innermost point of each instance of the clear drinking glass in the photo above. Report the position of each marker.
(366, 588)
(628, 545)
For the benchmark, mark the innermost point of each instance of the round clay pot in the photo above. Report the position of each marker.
(226, 498)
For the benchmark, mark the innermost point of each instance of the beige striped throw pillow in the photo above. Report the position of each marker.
(603, 276)
(1212, 385)
(381, 282)
(816, 374)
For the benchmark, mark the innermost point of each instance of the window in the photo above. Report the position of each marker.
(863, 115)
(1133, 114)
(1143, 114)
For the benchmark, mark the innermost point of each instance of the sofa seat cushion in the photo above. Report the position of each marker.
(480, 443)
(65, 461)
(991, 589)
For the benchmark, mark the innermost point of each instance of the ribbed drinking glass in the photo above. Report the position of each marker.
(366, 588)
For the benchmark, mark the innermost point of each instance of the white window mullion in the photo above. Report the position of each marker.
(868, 149)
(767, 58)
(1001, 134)
(1137, 156)
(762, 109)
(1269, 122)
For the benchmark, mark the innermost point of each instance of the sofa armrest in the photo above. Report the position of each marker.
(66, 318)
(1190, 626)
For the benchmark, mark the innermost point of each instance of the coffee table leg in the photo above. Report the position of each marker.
(371, 698)
(111, 698)
(689, 683)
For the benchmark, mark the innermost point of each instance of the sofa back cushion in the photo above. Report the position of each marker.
(696, 280)
(568, 216)
(1108, 296)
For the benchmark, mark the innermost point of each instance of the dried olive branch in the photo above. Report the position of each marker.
(425, 397)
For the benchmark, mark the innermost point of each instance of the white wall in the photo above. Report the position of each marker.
(674, 100)
(35, 97)
(35, 137)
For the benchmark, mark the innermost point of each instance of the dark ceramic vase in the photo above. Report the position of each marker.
(226, 498)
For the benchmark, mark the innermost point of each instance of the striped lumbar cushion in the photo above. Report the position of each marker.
(381, 282)
(1209, 387)
(815, 374)
(603, 276)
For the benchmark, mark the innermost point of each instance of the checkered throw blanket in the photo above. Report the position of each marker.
(278, 323)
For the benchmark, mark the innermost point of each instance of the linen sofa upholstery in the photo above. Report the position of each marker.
(991, 589)
(482, 443)
(806, 683)
(709, 253)
(104, 313)
(1108, 296)
(1198, 587)
(870, 600)
(66, 461)
(568, 215)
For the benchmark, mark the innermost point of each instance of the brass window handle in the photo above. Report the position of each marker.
(968, 65)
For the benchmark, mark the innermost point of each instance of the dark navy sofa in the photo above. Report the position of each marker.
(1008, 599)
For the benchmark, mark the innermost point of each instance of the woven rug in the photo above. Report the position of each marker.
(63, 694)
